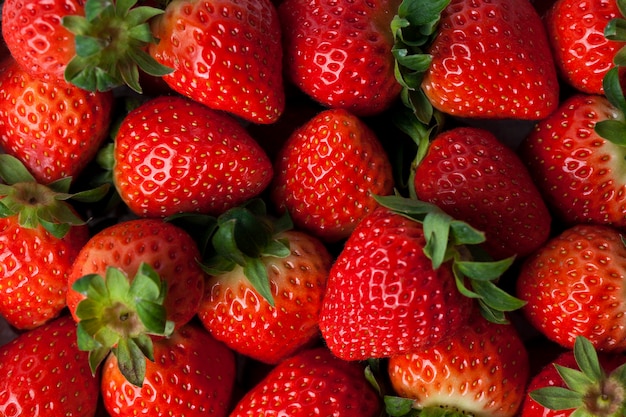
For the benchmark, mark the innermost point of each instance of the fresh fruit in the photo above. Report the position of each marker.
(574, 286)
(225, 54)
(339, 52)
(473, 177)
(579, 173)
(43, 371)
(312, 383)
(53, 127)
(327, 173)
(204, 162)
(481, 370)
(192, 375)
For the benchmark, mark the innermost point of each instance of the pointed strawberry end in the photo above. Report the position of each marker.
(119, 315)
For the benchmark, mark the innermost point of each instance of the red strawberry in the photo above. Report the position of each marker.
(579, 173)
(312, 383)
(225, 54)
(578, 382)
(491, 59)
(480, 370)
(475, 178)
(44, 373)
(192, 375)
(574, 286)
(204, 162)
(339, 52)
(582, 52)
(53, 127)
(328, 172)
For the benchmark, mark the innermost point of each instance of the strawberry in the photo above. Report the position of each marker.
(132, 279)
(192, 375)
(574, 286)
(205, 162)
(224, 54)
(44, 372)
(54, 128)
(311, 383)
(491, 59)
(40, 236)
(578, 171)
(328, 172)
(475, 178)
(578, 382)
(480, 370)
(401, 280)
(339, 52)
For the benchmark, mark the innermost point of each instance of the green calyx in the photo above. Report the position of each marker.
(590, 391)
(37, 204)
(120, 315)
(110, 45)
(448, 239)
(242, 236)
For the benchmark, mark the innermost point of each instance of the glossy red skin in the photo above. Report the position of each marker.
(35, 36)
(383, 297)
(475, 178)
(225, 54)
(53, 127)
(327, 173)
(237, 315)
(166, 248)
(575, 285)
(491, 59)
(581, 176)
(34, 271)
(480, 370)
(582, 53)
(206, 162)
(192, 375)
(311, 383)
(339, 53)
(44, 373)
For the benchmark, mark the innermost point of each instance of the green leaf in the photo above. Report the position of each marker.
(398, 406)
(277, 248)
(145, 346)
(615, 30)
(496, 298)
(148, 64)
(96, 357)
(146, 284)
(436, 232)
(225, 243)
(557, 398)
(94, 8)
(131, 361)
(256, 272)
(117, 283)
(484, 271)
(422, 12)
(12, 170)
(574, 379)
(153, 316)
(587, 359)
(612, 130)
(86, 46)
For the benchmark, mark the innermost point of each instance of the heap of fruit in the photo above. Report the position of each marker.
(324, 208)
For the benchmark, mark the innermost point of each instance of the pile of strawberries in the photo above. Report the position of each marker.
(298, 208)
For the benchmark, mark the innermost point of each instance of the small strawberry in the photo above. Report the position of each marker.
(225, 54)
(579, 382)
(53, 127)
(204, 162)
(311, 383)
(480, 370)
(327, 173)
(44, 373)
(192, 375)
(575, 285)
(473, 177)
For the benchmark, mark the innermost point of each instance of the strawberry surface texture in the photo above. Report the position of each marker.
(313, 208)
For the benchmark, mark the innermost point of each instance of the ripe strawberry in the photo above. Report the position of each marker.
(473, 177)
(225, 54)
(192, 375)
(327, 173)
(44, 373)
(491, 59)
(53, 127)
(578, 382)
(204, 162)
(339, 52)
(312, 383)
(480, 370)
(579, 173)
(40, 235)
(574, 286)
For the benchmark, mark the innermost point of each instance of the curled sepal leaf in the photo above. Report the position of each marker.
(400, 407)
(614, 129)
(119, 315)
